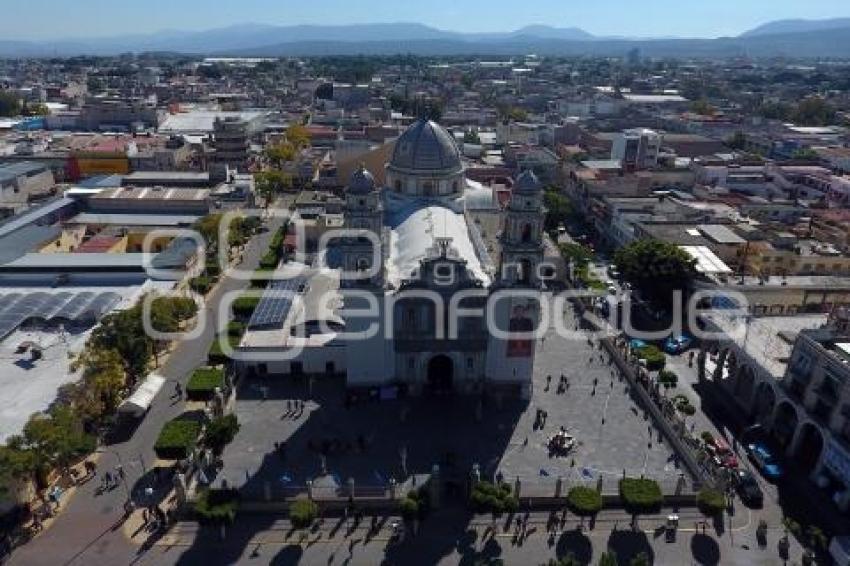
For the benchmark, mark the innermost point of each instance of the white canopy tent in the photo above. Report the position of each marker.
(140, 401)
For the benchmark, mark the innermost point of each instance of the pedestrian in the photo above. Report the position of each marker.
(119, 472)
(107, 479)
(178, 391)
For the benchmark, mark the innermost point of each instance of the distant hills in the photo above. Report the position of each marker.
(792, 38)
(797, 26)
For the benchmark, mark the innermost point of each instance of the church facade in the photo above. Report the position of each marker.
(427, 303)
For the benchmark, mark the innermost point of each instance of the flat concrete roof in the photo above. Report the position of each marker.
(765, 339)
(134, 219)
(28, 386)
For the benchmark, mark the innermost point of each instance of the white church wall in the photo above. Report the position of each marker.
(370, 361)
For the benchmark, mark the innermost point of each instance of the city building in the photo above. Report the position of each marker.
(637, 149)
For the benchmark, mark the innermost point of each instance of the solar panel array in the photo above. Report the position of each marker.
(88, 306)
(276, 302)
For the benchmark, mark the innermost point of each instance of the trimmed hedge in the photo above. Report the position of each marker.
(243, 307)
(216, 506)
(201, 284)
(235, 328)
(584, 501)
(487, 497)
(640, 495)
(177, 438)
(216, 356)
(655, 358)
(711, 502)
(302, 513)
(202, 383)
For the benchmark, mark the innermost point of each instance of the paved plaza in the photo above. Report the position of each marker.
(371, 442)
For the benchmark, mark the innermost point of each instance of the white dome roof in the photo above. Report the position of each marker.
(426, 148)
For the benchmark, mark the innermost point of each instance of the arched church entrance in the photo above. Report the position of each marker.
(440, 374)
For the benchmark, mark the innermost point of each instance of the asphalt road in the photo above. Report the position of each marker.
(88, 529)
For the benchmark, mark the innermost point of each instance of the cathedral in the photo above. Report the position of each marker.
(424, 302)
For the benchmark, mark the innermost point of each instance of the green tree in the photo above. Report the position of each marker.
(558, 209)
(737, 141)
(16, 463)
(220, 432)
(814, 111)
(471, 137)
(10, 104)
(100, 390)
(268, 184)
(656, 269)
(703, 108)
(281, 153)
(607, 559)
(124, 332)
(640, 560)
(298, 136)
(208, 227)
(55, 439)
(806, 154)
(668, 379)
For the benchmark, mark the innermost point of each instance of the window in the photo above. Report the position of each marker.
(470, 364)
(454, 187)
(526, 233)
(362, 202)
(398, 185)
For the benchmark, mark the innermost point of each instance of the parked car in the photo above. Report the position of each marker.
(764, 460)
(721, 453)
(748, 489)
(678, 344)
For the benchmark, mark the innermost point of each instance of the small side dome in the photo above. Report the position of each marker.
(528, 182)
(361, 181)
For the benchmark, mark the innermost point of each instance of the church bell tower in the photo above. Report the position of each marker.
(522, 237)
(364, 219)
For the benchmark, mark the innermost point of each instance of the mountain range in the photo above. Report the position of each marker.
(792, 38)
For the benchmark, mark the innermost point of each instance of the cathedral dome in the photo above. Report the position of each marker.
(528, 182)
(361, 181)
(426, 148)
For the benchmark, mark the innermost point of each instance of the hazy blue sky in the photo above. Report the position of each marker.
(42, 19)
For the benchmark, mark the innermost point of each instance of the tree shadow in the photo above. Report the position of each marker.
(288, 556)
(705, 549)
(576, 543)
(628, 544)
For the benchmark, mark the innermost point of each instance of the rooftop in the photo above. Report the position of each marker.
(766, 340)
(153, 193)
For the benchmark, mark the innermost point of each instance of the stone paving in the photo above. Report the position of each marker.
(612, 432)
(374, 441)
